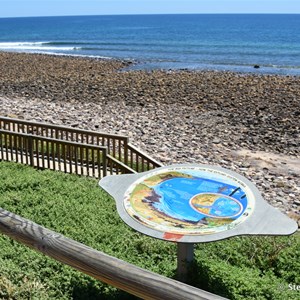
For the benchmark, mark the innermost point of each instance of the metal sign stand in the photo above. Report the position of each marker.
(185, 255)
(194, 203)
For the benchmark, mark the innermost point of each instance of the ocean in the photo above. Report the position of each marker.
(230, 42)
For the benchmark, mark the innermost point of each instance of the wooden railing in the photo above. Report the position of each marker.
(125, 276)
(116, 167)
(58, 155)
(118, 146)
(69, 151)
(140, 161)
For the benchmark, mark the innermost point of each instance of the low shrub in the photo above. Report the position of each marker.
(237, 268)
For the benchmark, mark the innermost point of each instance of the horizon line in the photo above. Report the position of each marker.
(153, 14)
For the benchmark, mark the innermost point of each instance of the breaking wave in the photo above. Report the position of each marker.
(36, 46)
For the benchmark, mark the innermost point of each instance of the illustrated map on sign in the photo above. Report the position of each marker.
(191, 201)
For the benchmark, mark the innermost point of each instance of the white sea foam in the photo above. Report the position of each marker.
(44, 48)
(40, 46)
(37, 51)
(79, 55)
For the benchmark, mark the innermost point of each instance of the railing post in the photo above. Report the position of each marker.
(126, 151)
(1, 145)
(104, 162)
(30, 149)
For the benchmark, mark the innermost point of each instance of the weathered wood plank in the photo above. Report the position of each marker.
(125, 276)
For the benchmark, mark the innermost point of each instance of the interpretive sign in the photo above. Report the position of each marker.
(191, 201)
(194, 203)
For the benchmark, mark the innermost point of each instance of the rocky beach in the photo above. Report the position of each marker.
(244, 122)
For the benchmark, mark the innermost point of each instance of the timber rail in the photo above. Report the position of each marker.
(125, 276)
(87, 153)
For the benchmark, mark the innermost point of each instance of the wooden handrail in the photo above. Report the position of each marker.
(62, 127)
(43, 138)
(125, 276)
(120, 164)
(144, 155)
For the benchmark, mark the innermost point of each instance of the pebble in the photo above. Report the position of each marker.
(175, 117)
(179, 145)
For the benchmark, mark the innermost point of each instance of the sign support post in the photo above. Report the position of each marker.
(185, 255)
(193, 203)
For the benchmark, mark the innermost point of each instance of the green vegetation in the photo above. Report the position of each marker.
(237, 268)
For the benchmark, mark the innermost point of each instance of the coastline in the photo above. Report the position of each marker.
(145, 65)
(236, 43)
(176, 116)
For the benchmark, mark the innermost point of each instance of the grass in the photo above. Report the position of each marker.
(237, 268)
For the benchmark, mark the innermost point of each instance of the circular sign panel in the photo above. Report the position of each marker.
(189, 201)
